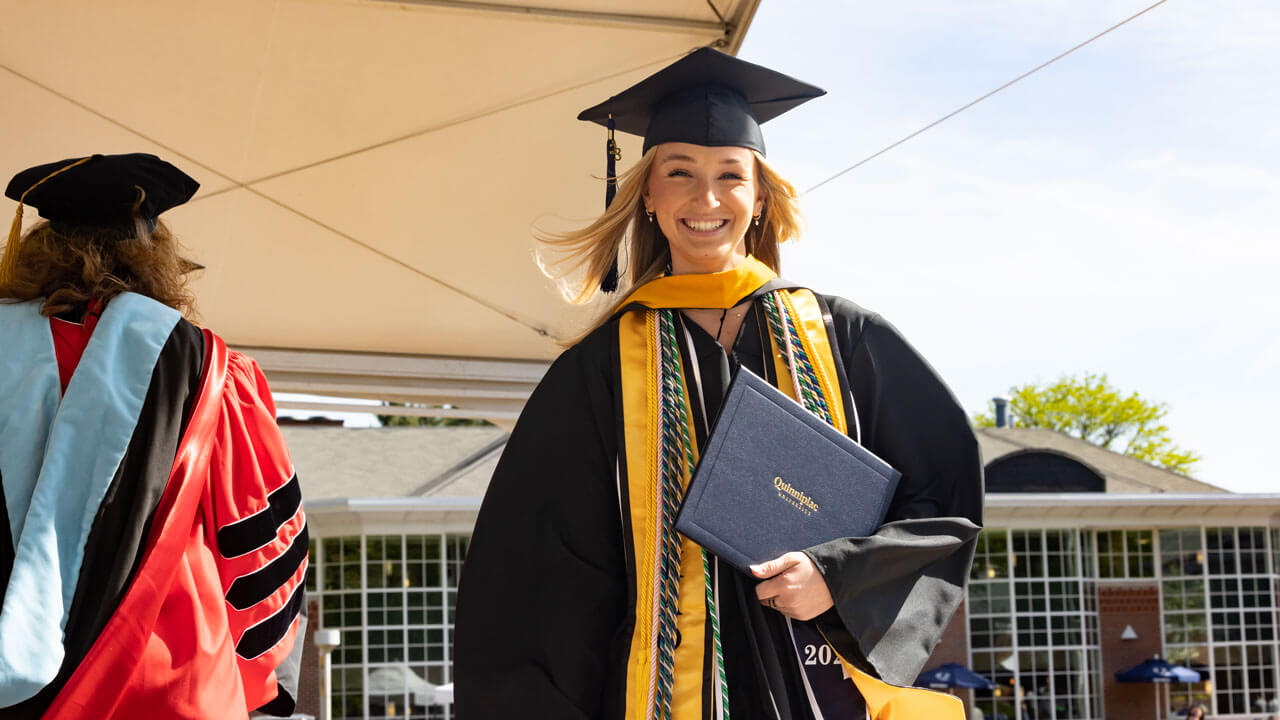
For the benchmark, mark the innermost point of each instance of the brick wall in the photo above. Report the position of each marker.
(1121, 605)
(954, 648)
(309, 678)
(954, 645)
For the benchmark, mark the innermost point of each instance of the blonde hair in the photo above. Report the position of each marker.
(625, 233)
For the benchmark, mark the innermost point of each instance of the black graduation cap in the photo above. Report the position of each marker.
(106, 191)
(705, 98)
(102, 190)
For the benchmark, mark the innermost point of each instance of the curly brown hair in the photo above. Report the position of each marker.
(69, 268)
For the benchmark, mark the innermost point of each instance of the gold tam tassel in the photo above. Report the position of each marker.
(9, 262)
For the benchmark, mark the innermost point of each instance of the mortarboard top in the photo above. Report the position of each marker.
(705, 98)
(102, 190)
(106, 191)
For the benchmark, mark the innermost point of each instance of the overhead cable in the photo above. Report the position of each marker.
(959, 110)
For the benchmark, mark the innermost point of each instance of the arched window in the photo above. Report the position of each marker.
(1041, 471)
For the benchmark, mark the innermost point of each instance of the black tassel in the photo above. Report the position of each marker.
(610, 282)
(613, 153)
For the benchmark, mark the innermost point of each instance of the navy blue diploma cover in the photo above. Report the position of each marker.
(775, 478)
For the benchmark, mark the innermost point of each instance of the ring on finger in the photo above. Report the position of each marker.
(773, 602)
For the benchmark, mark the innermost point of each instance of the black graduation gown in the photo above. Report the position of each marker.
(544, 615)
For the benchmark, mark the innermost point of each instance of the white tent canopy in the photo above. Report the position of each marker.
(371, 172)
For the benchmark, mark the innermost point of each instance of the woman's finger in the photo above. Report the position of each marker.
(777, 565)
(770, 588)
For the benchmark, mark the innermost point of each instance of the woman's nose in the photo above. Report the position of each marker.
(707, 194)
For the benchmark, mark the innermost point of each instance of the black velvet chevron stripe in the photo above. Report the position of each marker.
(249, 590)
(249, 534)
(264, 636)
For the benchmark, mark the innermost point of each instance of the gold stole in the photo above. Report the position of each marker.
(638, 346)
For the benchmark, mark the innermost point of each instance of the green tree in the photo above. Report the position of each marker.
(1092, 409)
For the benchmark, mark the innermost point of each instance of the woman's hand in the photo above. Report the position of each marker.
(792, 586)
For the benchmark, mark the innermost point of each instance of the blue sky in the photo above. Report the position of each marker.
(1116, 212)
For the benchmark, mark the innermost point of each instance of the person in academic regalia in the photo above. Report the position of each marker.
(152, 542)
(577, 599)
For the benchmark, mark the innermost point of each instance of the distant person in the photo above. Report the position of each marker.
(578, 599)
(152, 541)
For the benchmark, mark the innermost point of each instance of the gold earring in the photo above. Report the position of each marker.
(649, 214)
(757, 221)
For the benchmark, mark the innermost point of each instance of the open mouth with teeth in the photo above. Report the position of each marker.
(704, 225)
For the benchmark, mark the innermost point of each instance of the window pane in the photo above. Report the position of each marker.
(392, 597)
(1056, 669)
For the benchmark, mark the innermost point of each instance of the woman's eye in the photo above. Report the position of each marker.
(732, 176)
(679, 173)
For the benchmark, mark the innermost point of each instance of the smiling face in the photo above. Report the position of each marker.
(703, 199)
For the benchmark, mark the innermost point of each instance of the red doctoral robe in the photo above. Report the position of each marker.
(190, 599)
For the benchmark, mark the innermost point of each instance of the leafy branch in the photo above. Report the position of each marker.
(1090, 408)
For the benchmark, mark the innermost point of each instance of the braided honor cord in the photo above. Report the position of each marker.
(676, 461)
(777, 307)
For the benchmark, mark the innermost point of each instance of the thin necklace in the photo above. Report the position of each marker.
(723, 314)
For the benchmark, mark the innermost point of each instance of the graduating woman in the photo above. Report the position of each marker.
(152, 541)
(578, 600)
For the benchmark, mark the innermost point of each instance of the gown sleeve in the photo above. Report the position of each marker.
(543, 587)
(895, 591)
(255, 526)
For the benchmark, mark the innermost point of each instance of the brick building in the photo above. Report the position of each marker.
(1091, 562)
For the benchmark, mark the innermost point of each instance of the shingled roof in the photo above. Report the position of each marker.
(1122, 473)
(336, 462)
(457, 462)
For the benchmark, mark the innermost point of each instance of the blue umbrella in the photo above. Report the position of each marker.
(953, 675)
(1157, 670)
